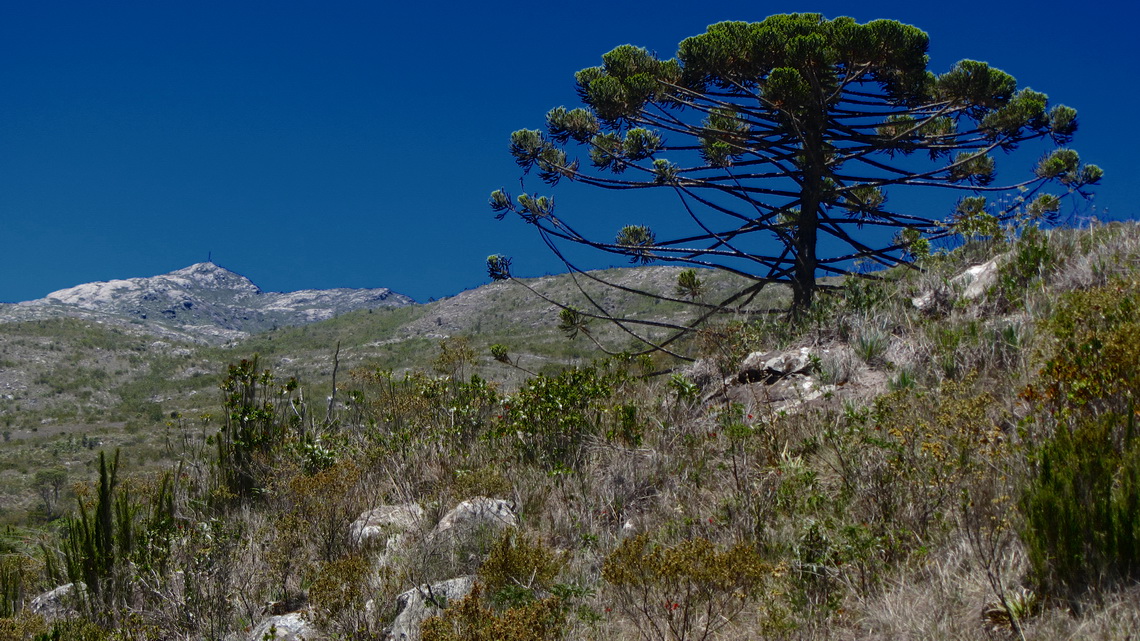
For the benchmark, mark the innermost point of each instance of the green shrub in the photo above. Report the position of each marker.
(22, 627)
(1029, 260)
(261, 417)
(121, 536)
(1093, 360)
(338, 595)
(445, 413)
(455, 356)
(1082, 507)
(16, 578)
(906, 468)
(550, 419)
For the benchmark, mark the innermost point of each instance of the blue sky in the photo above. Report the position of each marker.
(354, 144)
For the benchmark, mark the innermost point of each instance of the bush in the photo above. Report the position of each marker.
(1093, 361)
(338, 595)
(552, 416)
(1082, 503)
(16, 577)
(1029, 260)
(1082, 507)
(261, 416)
(470, 620)
(685, 591)
(518, 568)
(123, 536)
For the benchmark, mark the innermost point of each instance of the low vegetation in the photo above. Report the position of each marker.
(968, 470)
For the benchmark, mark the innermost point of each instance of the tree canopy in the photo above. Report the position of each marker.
(778, 135)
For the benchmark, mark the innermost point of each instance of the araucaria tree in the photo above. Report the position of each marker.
(793, 134)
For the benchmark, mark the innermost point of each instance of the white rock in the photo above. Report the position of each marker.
(53, 603)
(420, 603)
(286, 627)
(478, 512)
(979, 278)
(923, 300)
(772, 366)
(386, 522)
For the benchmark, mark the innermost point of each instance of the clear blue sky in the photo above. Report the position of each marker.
(354, 144)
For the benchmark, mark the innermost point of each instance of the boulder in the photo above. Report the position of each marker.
(769, 367)
(285, 627)
(937, 301)
(54, 604)
(421, 602)
(475, 514)
(783, 395)
(386, 523)
(979, 278)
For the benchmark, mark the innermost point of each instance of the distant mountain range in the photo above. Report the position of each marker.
(204, 301)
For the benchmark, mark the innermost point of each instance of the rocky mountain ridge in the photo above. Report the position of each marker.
(203, 301)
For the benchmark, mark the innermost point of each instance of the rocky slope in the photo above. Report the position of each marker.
(204, 301)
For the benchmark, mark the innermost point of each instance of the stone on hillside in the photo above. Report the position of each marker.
(420, 603)
(784, 394)
(54, 604)
(285, 627)
(979, 278)
(386, 523)
(933, 302)
(477, 513)
(769, 367)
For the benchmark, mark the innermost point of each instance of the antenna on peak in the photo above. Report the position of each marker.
(210, 257)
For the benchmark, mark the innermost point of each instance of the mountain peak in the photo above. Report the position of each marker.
(210, 275)
(208, 299)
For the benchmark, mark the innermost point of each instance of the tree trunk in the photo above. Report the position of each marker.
(803, 281)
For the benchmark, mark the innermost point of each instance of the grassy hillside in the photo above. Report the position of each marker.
(70, 383)
(945, 463)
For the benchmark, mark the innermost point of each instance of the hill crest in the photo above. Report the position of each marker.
(204, 300)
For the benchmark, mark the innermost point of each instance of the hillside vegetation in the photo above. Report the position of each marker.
(925, 455)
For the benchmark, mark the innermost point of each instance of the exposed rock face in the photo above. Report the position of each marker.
(53, 604)
(972, 284)
(385, 525)
(206, 299)
(420, 603)
(793, 379)
(771, 367)
(458, 540)
(979, 278)
(475, 513)
(285, 627)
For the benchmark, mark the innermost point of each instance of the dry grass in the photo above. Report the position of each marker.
(882, 511)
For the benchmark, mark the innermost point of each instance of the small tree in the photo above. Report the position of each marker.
(49, 482)
(782, 135)
(262, 417)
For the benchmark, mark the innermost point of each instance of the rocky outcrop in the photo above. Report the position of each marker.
(771, 367)
(795, 378)
(979, 278)
(971, 284)
(458, 542)
(385, 526)
(206, 300)
(474, 514)
(286, 627)
(54, 604)
(421, 602)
